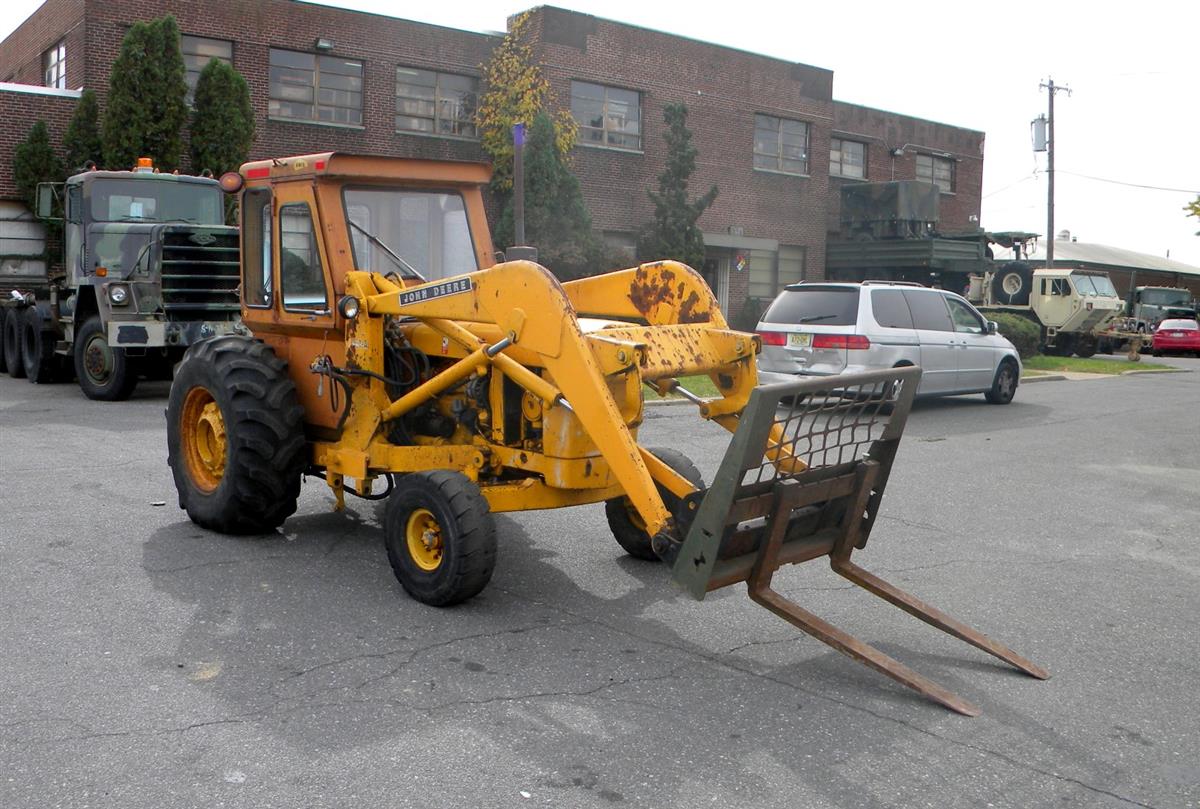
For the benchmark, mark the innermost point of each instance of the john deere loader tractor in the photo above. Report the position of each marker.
(394, 356)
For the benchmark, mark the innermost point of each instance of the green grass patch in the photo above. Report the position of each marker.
(1089, 366)
(700, 385)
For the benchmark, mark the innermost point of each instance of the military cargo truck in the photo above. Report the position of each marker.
(149, 267)
(1069, 306)
(1148, 306)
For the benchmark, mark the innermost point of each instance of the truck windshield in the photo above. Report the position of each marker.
(1166, 297)
(1094, 285)
(156, 200)
(427, 229)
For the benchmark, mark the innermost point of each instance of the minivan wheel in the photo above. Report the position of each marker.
(1004, 386)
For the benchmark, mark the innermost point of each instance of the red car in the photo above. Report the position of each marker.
(1177, 337)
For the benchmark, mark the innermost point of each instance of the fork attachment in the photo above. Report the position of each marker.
(765, 509)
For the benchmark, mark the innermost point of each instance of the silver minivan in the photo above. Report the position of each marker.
(819, 329)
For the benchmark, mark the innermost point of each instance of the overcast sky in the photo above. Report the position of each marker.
(1133, 116)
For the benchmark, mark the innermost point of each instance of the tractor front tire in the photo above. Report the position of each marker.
(105, 373)
(440, 537)
(235, 436)
(12, 343)
(627, 526)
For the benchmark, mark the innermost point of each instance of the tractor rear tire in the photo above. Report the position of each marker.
(627, 526)
(105, 373)
(235, 436)
(12, 343)
(37, 349)
(1012, 283)
(440, 537)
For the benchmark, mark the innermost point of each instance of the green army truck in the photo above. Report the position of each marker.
(149, 267)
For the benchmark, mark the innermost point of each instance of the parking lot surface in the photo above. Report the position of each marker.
(150, 663)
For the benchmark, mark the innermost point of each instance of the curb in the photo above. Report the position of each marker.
(1157, 371)
(1042, 378)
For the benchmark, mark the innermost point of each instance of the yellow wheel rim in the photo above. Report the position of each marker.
(424, 535)
(204, 443)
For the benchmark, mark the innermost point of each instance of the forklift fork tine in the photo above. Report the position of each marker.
(934, 617)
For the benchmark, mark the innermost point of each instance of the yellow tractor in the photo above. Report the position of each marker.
(395, 357)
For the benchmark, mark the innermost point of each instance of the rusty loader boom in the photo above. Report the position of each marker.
(392, 352)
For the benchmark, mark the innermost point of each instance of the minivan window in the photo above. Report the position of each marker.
(928, 310)
(824, 306)
(891, 311)
(965, 319)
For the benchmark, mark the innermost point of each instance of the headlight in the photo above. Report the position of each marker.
(348, 306)
(118, 294)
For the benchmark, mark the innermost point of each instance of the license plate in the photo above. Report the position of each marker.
(796, 340)
(1175, 333)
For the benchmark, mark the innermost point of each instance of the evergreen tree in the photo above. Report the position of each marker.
(222, 120)
(147, 105)
(556, 220)
(34, 161)
(673, 234)
(82, 141)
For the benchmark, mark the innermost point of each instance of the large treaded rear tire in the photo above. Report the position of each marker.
(235, 436)
(12, 343)
(440, 537)
(627, 528)
(42, 366)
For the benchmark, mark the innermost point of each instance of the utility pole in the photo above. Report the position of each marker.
(1053, 88)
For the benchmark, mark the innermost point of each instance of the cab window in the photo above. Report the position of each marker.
(256, 247)
(1055, 286)
(301, 278)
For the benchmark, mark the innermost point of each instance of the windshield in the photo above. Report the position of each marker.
(425, 229)
(156, 200)
(1166, 297)
(1094, 285)
(826, 306)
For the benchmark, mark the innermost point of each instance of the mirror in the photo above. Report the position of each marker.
(993, 327)
(47, 194)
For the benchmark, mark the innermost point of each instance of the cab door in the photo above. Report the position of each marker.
(976, 348)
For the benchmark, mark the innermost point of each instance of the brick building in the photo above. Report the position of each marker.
(769, 133)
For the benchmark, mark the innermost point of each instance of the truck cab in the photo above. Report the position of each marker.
(149, 268)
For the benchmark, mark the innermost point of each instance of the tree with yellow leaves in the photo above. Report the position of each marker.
(515, 91)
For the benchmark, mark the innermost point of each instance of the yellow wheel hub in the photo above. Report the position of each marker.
(424, 535)
(203, 439)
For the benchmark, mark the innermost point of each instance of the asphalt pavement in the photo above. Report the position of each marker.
(145, 662)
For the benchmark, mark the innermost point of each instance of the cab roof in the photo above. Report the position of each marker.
(367, 167)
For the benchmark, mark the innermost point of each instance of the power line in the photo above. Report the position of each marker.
(1131, 185)
(1024, 179)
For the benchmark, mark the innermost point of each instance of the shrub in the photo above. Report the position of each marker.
(1021, 331)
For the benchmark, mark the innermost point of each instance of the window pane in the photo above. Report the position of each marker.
(607, 115)
(583, 90)
(339, 66)
(891, 311)
(300, 274)
(829, 306)
(928, 310)
(292, 59)
(965, 320)
(256, 246)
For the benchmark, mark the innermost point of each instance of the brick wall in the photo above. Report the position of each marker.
(21, 54)
(723, 89)
(20, 109)
(884, 132)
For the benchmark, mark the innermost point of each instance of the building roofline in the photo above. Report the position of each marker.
(38, 90)
(678, 36)
(836, 102)
(354, 11)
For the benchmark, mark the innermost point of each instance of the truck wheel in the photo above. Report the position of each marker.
(1012, 283)
(440, 537)
(1085, 346)
(1004, 386)
(37, 349)
(235, 436)
(105, 373)
(12, 344)
(628, 527)
(3, 339)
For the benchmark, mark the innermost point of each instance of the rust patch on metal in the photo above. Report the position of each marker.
(688, 313)
(649, 289)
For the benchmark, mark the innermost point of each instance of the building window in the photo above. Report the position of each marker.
(54, 71)
(936, 170)
(780, 144)
(607, 116)
(197, 53)
(847, 158)
(308, 87)
(437, 103)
